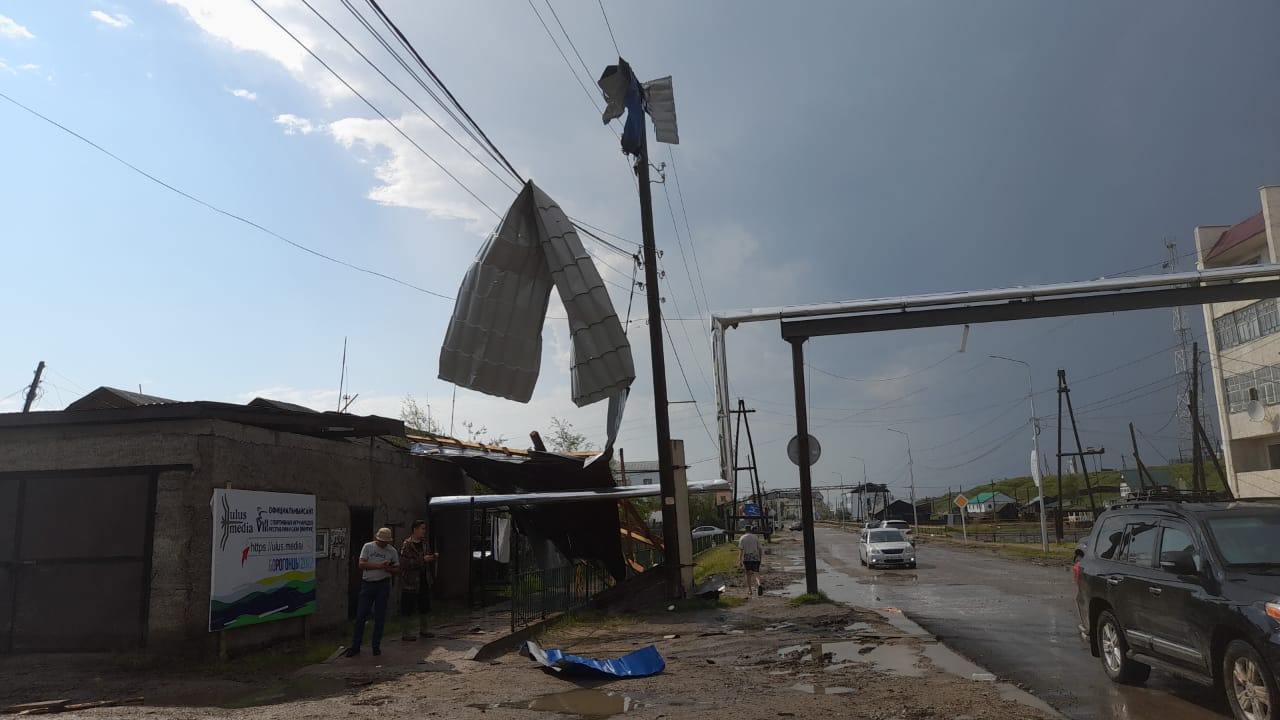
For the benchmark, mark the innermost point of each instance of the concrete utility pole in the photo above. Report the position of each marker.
(1035, 446)
(31, 391)
(915, 515)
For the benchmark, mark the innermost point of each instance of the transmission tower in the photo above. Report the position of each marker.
(1183, 366)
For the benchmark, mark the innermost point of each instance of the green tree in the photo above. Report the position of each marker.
(563, 439)
(474, 434)
(418, 417)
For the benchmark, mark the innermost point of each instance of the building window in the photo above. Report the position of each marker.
(1273, 456)
(1268, 317)
(1248, 323)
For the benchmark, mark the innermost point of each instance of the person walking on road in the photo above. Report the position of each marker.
(749, 555)
(378, 562)
(416, 563)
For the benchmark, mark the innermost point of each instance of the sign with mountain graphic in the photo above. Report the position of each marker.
(264, 565)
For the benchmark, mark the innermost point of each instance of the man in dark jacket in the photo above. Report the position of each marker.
(416, 563)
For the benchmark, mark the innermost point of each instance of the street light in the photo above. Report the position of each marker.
(915, 516)
(1035, 445)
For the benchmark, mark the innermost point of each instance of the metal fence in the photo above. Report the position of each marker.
(706, 542)
(539, 593)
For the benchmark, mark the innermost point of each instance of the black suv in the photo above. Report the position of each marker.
(1192, 588)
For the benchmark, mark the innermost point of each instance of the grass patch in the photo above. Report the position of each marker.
(1057, 551)
(719, 560)
(817, 598)
(582, 622)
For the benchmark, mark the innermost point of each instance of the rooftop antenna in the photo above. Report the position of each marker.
(342, 379)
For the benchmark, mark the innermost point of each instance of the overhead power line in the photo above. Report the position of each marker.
(374, 108)
(688, 231)
(219, 210)
(610, 27)
(440, 83)
(387, 46)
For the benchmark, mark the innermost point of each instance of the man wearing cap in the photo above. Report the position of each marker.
(378, 562)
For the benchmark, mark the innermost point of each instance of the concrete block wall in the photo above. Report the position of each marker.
(213, 454)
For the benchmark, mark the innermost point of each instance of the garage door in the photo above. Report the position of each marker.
(75, 551)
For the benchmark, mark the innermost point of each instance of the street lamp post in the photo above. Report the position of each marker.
(915, 515)
(1035, 445)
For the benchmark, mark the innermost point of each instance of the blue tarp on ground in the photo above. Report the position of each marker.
(641, 663)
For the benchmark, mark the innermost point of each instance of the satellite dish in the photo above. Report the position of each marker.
(1257, 412)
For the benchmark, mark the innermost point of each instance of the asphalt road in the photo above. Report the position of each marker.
(1013, 617)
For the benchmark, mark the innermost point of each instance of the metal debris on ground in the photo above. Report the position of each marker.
(639, 663)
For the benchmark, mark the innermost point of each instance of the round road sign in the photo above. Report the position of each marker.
(793, 450)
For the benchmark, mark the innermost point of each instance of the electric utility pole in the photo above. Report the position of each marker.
(35, 385)
(624, 93)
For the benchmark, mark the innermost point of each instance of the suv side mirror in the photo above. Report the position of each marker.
(1179, 562)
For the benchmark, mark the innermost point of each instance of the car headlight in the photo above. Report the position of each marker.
(1273, 610)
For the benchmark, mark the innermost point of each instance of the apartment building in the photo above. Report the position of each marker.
(1244, 340)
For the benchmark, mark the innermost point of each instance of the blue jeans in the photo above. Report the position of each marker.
(373, 599)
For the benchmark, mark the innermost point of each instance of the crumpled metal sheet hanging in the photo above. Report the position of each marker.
(494, 340)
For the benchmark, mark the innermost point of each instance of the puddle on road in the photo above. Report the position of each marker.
(820, 689)
(897, 660)
(581, 702)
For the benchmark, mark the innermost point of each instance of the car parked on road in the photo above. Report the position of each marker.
(1187, 587)
(885, 547)
(706, 530)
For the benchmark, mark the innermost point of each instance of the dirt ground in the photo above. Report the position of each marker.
(763, 659)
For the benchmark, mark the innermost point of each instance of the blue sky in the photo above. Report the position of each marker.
(829, 151)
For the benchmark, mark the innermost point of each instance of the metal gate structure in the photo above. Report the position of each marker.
(800, 323)
(65, 538)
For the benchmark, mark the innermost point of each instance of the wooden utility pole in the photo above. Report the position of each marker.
(662, 419)
(1144, 476)
(35, 385)
(1080, 451)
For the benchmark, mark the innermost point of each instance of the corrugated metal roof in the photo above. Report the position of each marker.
(278, 405)
(494, 340)
(109, 398)
(1236, 235)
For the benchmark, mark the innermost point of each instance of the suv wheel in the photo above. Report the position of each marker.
(1250, 688)
(1114, 650)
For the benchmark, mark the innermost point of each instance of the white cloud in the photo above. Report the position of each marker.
(294, 125)
(246, 95)
(408, 178)
(119, 20)
(5, 67)
(245, 28)
(11, 29)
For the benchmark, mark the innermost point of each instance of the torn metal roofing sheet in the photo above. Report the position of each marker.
(567, 496)
(494, 340)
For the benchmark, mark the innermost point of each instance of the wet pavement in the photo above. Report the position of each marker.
(1014, 618)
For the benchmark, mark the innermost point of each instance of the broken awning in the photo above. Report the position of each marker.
(567, 496)
(494, 340)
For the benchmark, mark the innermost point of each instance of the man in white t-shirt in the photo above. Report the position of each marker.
(749, 555)
(378, 562)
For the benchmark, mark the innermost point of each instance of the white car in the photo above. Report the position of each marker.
(885, 547)
(902, 525)
(705, 530)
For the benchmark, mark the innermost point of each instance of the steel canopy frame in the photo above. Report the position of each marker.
(801, 322)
